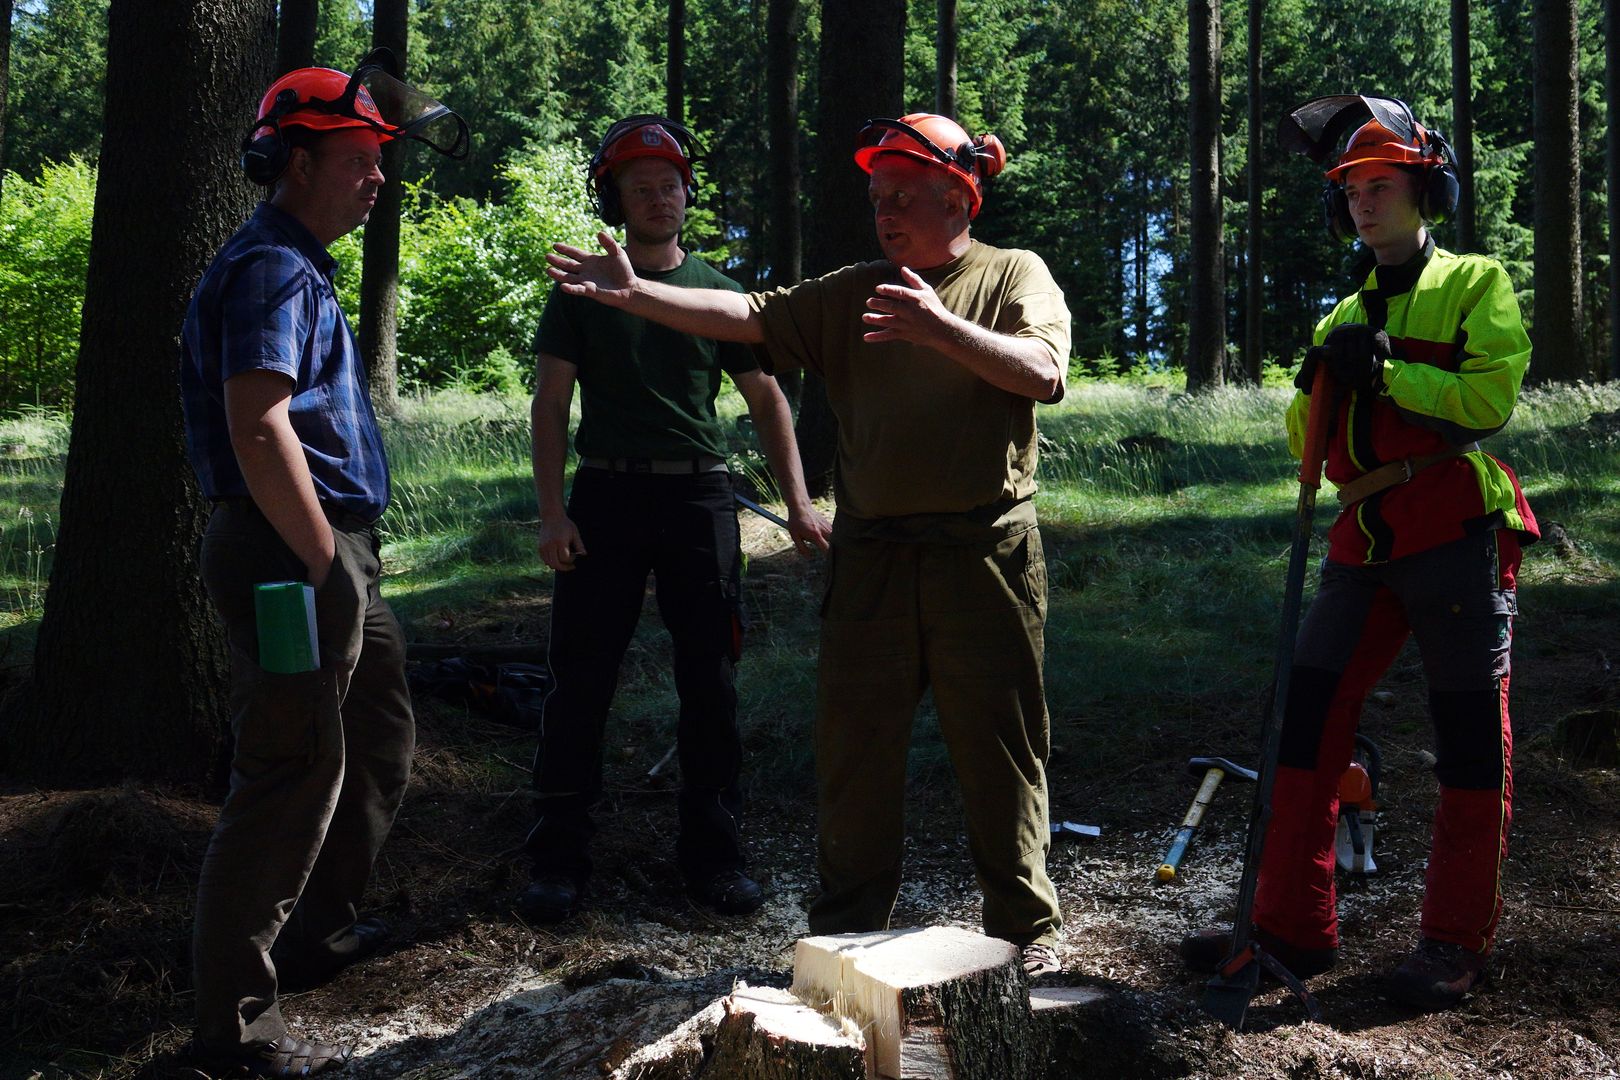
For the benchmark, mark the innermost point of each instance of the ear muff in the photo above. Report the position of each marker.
(1437, 198)
(600, 184)
(264, 157)
(1336, 213)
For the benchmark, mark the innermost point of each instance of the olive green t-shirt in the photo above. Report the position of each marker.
(646, 391)
(920, 435)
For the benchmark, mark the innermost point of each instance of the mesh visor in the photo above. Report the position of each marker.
(410, 114)
(1316, 127)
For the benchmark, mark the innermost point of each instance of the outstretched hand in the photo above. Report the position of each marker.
(607, 277)
(910, 312)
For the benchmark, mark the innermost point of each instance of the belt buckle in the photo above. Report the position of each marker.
(1406, 464)
(638, 465)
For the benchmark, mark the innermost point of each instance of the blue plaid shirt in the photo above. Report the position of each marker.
(267, 302)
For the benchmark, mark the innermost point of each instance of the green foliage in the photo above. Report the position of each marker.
(58, 80)
(472, 278)
(44, 249)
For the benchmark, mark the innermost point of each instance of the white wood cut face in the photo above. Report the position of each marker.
(784, 1015)
(864, 977)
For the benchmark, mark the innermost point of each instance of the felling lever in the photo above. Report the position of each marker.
(1213, 770)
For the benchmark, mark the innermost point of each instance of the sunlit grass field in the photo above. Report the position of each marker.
(1166, 521)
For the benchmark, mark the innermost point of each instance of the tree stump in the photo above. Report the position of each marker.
(768, 1034)
(679, 1055)
(933, 1004)
(1590, 738)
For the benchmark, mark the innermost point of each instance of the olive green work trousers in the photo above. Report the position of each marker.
(967, 621)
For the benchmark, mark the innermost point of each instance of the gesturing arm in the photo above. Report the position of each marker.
(774, 422)
(913, 312)
(610, 279)
(272, 462)
(560, 542)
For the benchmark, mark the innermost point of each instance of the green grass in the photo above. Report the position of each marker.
(1166, 519)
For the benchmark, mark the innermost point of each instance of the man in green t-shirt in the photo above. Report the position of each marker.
(934, 359)
(651, 495)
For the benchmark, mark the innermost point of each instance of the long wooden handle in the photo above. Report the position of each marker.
(1316, 429)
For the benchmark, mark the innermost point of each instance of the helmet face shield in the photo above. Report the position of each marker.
(1315, 128)
(408, 113)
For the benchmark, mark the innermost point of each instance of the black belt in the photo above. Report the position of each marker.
(703, 463)
(347, 520)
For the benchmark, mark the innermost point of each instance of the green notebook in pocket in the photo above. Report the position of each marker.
(286, 616)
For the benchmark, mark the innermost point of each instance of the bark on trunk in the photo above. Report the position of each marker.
(945, 60)
(5, 80)
(681, 1054)
(379, 274)
(295, 40)
(1254, 347)
(1206, 288)
(784, 21)
(129, 673)
(768, 1034)
(1556, 328)
(1462, 121)
(1611, 82)
(859, 77)
(939, 1002)
(675, 64)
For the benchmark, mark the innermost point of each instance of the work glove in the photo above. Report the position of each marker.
(1356, 354)
(1305, 378)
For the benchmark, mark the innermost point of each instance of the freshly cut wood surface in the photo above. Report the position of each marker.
(768, 1034)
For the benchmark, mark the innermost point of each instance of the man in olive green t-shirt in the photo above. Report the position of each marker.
(651, 495)
(934, 359)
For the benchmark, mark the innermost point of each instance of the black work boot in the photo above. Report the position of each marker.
(1208, 949)
(1436, 975)
(551, 897)
(728, 892)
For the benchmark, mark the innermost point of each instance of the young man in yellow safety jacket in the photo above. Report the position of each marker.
(1426, 360)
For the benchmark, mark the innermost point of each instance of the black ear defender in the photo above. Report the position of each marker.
(264, 157)
(599, 183)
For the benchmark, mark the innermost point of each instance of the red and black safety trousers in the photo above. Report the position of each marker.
(1457, 601)
(681, 529)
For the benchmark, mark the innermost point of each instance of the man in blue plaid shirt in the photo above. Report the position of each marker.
(281, 432)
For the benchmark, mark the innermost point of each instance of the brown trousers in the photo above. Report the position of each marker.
(966, 620)
(320, 765)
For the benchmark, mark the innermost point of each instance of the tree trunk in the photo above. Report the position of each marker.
(295, 40)
(945, 60)
(675, 65)
(1254, 347)
(939, 1002)
(1142, 312)
(860, 76)
(1206, 285)
(1462, 122)
(784, 21)
(5, 81)
(379, 274)
(1556, 328)
(768, 1034)
(129, 670)
(1611, 81)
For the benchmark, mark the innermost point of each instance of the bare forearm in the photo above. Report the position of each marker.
(272, 463)
(549, 453)
(774, 422)
(711, 313)
(1018, 365)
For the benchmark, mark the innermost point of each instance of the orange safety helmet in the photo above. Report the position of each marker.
(644, 136)
(937, 140)
(1373, 142)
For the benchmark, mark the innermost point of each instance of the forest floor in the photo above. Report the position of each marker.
(1166, 526)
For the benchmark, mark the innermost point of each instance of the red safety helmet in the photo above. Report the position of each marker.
(313, 98)
(1373, 142)
(644, 136)
(937, 140)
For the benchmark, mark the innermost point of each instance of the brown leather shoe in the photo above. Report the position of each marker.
(285, 1056)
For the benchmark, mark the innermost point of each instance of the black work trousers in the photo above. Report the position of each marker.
(683, 530)
(320, 766)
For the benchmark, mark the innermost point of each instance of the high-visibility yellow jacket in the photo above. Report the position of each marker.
(1460, 353)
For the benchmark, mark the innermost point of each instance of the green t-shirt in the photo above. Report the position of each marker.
(646, 391)
(919, 435)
